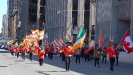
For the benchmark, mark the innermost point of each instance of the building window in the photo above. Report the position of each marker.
(86, 14)
(87, 1)
(92, 32)
(75, 1)
(75, 4)
(74, 15)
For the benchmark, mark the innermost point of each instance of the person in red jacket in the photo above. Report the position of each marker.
(11, 50)
(62, 54)
(48, 49)
(117, 56)
(51, 51)
(86, 53)
(41, 56)
(111, 52)
(31, 50)
(68, 53)
(77, 53)
(17, 51)
(23, 50)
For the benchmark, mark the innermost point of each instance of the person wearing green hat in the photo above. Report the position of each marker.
(41, 56)
(68, 53)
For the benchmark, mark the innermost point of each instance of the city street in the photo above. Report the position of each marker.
(11, 65)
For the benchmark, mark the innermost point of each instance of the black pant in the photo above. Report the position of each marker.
(40, 62)
(17, 54)
(12, 53)
(48, 55)
(78, 58)
(104, 59)
(86, 57)
(117, 61)
(68, 61)
(45, 55)
(51, 55)
(96, 62)
(112, 60)
(63, 57)
(82, 55)
(31, 56)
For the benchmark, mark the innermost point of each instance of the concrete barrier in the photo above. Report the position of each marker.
(124, 57)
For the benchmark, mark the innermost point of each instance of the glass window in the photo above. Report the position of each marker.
(75, 1)
(87, 1)
(86, 15)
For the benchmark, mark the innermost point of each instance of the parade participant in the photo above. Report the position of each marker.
(68, 54)
(104, 56)
(48, 49)
(38, 49)
(11, 50)
(31, 50)
(23, 50)
(111, 52)
(117, 56)
(45, 51)
(86, 53)
(91, 52)
(78, 52)
(51, 51)
(17, 51)
(41, 56)
(62, 54)
(82, 51)
(96, 57)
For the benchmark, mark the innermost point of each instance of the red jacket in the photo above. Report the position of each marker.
(11, 49)
(66, 51)
(41, 55)
(17, 50)
(111, 52)
(38, 49)
(117, 53)
(53, 50)
(23, 49)
(30, 50)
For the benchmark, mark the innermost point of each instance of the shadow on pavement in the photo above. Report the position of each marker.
(42, 72)
(57, 62)
(3, 66)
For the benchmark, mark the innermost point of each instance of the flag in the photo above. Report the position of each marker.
(35, 32)
(127, 43)
(61, 40)
(58, 42)
(101, 42)
(41, 35)
(80, 40)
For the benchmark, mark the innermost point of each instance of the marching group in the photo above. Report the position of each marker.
(88, 53)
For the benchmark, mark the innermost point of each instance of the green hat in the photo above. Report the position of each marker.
(68, 41)
(42, 47)
(18, 46)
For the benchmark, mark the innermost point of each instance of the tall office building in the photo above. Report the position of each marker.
(12, 6)
(62, 16)
(114, 17)
(31, 15)
(4, 27)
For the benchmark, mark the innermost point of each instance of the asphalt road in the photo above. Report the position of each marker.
(11, 65)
